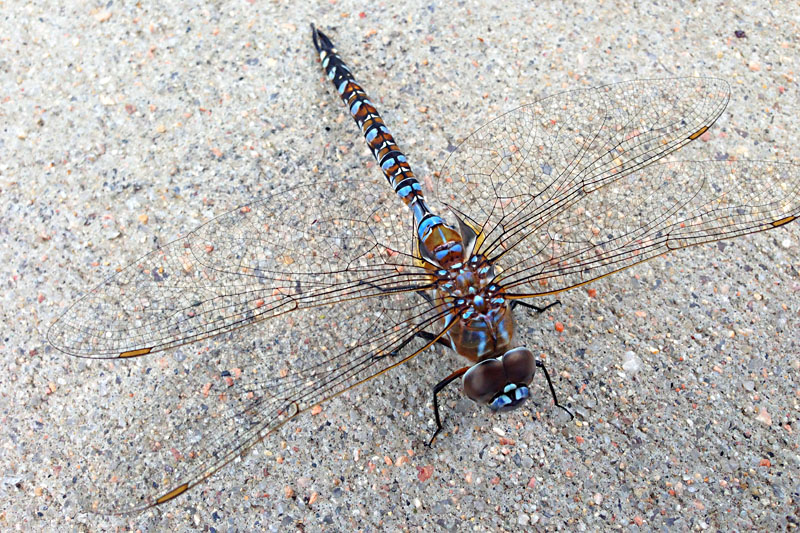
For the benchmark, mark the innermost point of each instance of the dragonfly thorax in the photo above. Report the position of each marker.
(476, 307)
(482, 331)
(468, 279)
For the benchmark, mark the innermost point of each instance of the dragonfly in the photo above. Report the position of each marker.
(543, 199)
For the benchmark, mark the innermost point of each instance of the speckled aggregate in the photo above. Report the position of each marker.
(126, 126)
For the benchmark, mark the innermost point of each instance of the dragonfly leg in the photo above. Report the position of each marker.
(426, 336)
(540, 364)
(436, 390)
(538, 309)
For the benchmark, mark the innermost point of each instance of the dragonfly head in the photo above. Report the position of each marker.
(502, 382)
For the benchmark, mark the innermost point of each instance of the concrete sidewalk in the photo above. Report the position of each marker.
(125, 127)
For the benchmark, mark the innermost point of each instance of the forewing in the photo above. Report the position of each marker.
(526, 166)
(322, 243)
(325, 270)
(652, 211)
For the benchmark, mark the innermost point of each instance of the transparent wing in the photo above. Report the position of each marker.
(651, 211)
(316, 261)
(299, 248)
(530, 164)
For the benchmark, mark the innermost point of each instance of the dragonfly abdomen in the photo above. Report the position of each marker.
(440, 243)
(392, 161)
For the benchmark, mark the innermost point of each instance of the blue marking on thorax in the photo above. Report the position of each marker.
(342, 87)
(482, 345)
(331, 74)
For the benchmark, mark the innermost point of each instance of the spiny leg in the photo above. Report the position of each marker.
(428, 337)
(436, 390)
(424, 335)
(515, 303)
(540, 364)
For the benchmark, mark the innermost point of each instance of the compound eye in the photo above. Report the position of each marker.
(484, 380)
(519, 365)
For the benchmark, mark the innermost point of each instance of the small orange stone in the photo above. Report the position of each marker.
(424, 473)
(559, 327)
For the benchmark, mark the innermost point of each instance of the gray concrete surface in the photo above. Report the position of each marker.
(125, 125)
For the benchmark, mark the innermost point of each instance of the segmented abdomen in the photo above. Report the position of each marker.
(381, 143)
